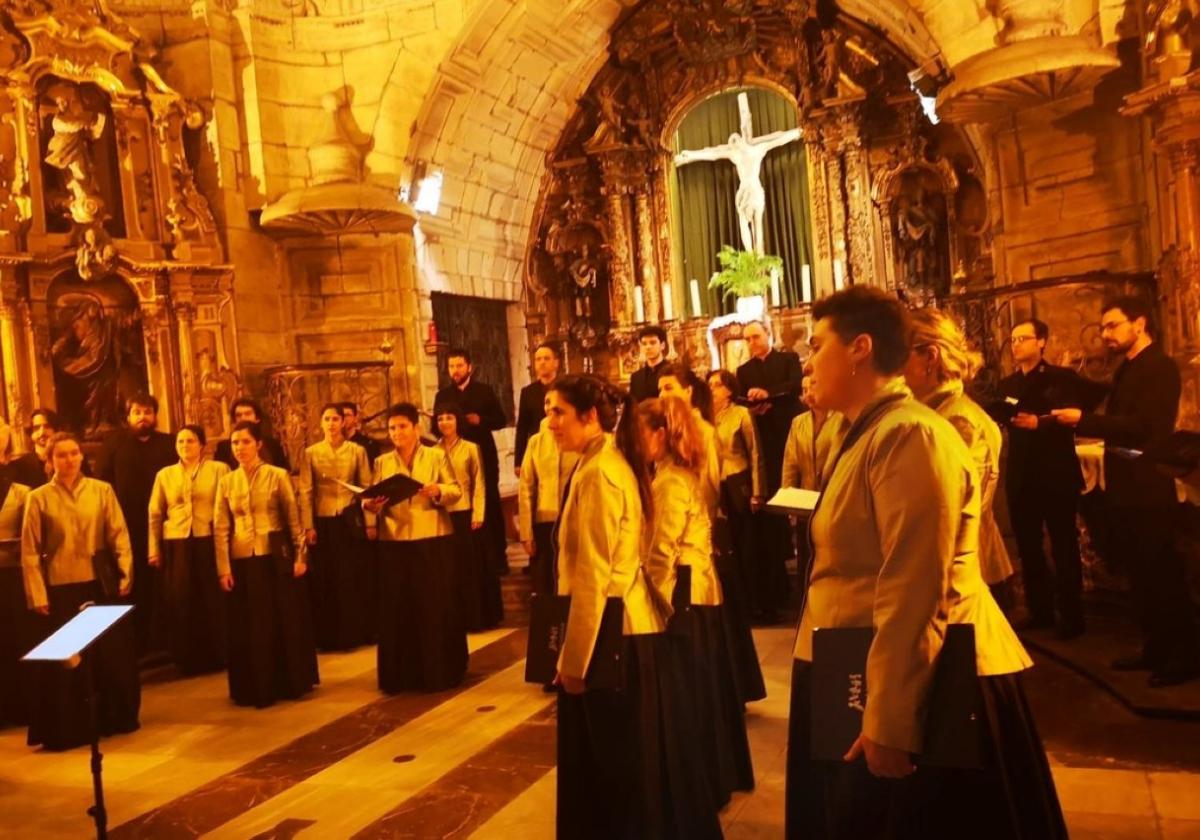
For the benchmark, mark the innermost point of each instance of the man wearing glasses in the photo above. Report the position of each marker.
(1043, 480)
(1143, 506)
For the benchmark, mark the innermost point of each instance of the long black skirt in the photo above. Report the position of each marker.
(18, 635)
(544, 561)
(733, 558)
(422, 642)
(1012, 797)
(629, 762)
(341, 581)
(60, 717)
(193, 605)
(271, 651)
(476, 580)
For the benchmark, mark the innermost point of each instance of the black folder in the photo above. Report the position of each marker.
(108, 574)
(1177, 456)
(839, 696)
(548, 630)
(397, 488)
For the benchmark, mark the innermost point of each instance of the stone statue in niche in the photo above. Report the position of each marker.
(829, 63)
(920, 229)
(1173, 39)
(746, 152)
(96, 353)
(75, 128)
(583, 281)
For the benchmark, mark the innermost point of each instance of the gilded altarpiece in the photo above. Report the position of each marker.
(895, 201)
(112, 277)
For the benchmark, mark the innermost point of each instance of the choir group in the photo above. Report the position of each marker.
(645, 509)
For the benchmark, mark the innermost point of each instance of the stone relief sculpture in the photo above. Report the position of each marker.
(75, 130)
(96, 255)
(921, 233)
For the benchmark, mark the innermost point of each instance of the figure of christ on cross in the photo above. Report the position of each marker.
(746, 152)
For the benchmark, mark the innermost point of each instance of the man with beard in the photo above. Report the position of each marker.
(129, 461)
(771, 381)
(531, 407)
(354, 433)
(246, 409)
(483, 413)
(1143, 506)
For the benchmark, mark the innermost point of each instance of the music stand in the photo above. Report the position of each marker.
(66, 646)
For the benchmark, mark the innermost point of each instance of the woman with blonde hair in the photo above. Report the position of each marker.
(940, 363)
(678, 559)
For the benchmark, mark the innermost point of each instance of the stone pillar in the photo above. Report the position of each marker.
(614, 167)
(185, 321)
(15, 407)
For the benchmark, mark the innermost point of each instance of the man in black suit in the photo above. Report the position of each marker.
(1143, 505)
(643, 385)
(771, 380)
(130, 460)
(484, 415)
(1043, 479)
(531, 408)
(246, 409)
(354, 433)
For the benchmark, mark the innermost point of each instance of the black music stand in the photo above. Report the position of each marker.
(66, 646)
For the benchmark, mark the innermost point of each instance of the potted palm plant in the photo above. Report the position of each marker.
(746, 276)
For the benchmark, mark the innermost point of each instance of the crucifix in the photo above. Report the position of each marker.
(746, 152)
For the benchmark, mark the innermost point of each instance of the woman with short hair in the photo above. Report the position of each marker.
(180, 543)
(72, 528)
(261, 558)
(895, 548)
(422, 641)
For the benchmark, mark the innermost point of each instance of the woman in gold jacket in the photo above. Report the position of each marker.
(895, 541)
(940, 364)
(422, 641)
(477, 584)
(679, 563)
(628, 762)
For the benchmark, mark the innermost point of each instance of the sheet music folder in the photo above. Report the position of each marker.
(78, 634)
(793, 501)
(1177, 456)
(397, 488)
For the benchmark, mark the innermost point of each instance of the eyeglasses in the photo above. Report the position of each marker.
(1021, 339)
(1109, 326)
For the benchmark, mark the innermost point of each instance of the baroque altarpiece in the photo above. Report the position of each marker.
(112, 276)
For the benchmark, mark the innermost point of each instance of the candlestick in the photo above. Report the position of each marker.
(695, 287)
(639, 305)
(775, 298)
(806, 283)
(839, 275)
(668, 302)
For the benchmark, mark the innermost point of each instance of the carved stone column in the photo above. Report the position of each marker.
(615, 169)
(185, 320)
(15, 405)
(647, 275)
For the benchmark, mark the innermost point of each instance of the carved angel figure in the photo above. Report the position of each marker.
(69, 149)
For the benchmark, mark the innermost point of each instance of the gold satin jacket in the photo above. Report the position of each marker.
(544, 470)
(680, 534)
(895, 540)
(807, 452)
(468, 469)
(417, 518)
(319, 495)
(710, 469)
(249, 508)
(738, 448)
(600, 554)
(11, 514)
(182, 502)
(984, 440)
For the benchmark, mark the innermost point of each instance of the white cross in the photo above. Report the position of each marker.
(746, 152)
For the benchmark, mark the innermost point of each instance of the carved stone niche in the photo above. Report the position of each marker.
(915, 199)
(109, 250)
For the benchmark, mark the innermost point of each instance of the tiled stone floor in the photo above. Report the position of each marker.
(478, 761)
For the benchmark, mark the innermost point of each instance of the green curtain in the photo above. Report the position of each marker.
(704, 215)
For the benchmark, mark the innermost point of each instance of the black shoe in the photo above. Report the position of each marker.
(1034, 622)
(1173, 675)
(1134, 662)
(1068, 630)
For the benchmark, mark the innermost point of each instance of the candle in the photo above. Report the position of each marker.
(806, 283)
(775, 287)
(696, 311)
(639, 305)
(668, 302)
(839, 275)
